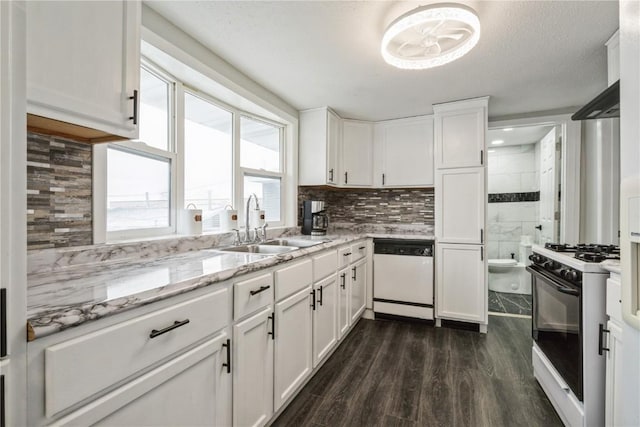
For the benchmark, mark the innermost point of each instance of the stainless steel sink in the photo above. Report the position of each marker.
(260, 249)
(298, 243)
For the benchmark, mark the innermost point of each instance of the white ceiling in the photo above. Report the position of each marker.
(532, 55)
(517, 135)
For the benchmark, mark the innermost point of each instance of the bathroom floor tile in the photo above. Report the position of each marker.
(502, 302)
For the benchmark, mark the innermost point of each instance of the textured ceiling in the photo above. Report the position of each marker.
(532, 55)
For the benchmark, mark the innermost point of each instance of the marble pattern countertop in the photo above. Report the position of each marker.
(61, 298)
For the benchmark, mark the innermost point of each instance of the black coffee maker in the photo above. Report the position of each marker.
(314, 219)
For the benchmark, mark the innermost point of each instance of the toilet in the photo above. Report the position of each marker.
(509, 275)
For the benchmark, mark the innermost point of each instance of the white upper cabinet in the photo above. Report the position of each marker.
(357, 154)
(405, 152)
(83, 68)
(319, 147)
(460, 205)
(460, 130)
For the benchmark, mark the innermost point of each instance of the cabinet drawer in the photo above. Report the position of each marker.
(251, 295)
(344, 256)
(614, 304)
(79, 368)
(292, 278)
(358, 251)
(324, 265)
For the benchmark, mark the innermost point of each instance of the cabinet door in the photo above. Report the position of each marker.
(460, 205)
(253, 370)
(459, 135)
(344, 312)
(293, 345)
(460, 282)
(334, 129)
(193, 388)
(83, 63)
(407, 152)
(357, 300)
(357, 153)
(325, 314)
(614, 396)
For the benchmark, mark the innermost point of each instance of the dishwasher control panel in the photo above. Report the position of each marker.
(403, 247)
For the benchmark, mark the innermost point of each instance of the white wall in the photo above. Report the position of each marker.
(512, 169)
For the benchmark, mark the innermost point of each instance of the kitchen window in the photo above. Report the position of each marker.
(193, 150)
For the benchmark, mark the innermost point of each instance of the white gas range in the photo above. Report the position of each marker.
(568, 319)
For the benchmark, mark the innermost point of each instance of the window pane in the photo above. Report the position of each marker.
(154, 110)
(259, 145)
(208, 159)
(268, 192)
(138, 191)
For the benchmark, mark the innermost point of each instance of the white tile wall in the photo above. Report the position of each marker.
(512, 169)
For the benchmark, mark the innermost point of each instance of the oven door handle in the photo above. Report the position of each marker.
(567, 291)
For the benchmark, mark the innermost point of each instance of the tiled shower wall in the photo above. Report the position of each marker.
(58, 192)
(513, 184)
(377, 206)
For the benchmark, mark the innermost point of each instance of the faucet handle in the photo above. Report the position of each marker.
(263, 236)
(237, 239)
(256, 235)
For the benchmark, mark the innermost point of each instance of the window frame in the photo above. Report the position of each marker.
(176, 157)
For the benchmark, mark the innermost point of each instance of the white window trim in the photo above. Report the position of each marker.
(176, 158)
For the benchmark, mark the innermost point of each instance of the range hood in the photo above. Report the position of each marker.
(604, 106)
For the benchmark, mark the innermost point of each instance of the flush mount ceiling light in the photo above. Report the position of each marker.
(430, 36)
(497, 142)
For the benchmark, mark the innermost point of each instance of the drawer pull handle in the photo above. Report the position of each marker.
(343, 276)
(362, 247)
(261, 289)
(346, 254)
(154, 332)
(227, 365)
(273, 326)
(355, 273)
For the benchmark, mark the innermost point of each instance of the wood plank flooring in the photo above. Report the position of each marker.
(390, 373)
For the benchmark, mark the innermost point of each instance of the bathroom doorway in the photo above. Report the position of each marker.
(528, 163)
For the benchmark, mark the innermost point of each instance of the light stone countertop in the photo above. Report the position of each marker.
(70, 296)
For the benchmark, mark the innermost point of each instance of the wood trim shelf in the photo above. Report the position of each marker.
(47, 126)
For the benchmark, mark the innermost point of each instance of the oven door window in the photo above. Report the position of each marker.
(557, 307)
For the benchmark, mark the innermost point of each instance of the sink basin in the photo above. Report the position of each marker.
(260, 249)
(299, 243)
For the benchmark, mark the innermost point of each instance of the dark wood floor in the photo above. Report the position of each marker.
(390, 373)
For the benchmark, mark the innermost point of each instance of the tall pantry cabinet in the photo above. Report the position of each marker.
(460, 210)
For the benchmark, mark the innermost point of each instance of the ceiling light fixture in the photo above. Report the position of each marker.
(430, 36)
(507, 129)
(497, 142)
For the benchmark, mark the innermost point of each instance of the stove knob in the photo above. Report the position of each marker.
(537, 259)
(563, 273)
(571, 275)
(550, 265)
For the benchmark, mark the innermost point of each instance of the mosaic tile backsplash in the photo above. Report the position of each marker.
(377, 206)
(58, 192)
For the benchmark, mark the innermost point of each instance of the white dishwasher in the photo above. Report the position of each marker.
(403, 277)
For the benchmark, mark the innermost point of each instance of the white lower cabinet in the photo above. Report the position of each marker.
(325, 311)
(357, 300)
(344, 291)
(614, 376)
(253, 369)
(460, 283)
(293, 345)
(192, 389)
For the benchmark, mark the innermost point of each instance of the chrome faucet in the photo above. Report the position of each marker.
(247, 233)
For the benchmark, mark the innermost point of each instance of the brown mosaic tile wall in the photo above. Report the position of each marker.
(58, 192)
(377, 206)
